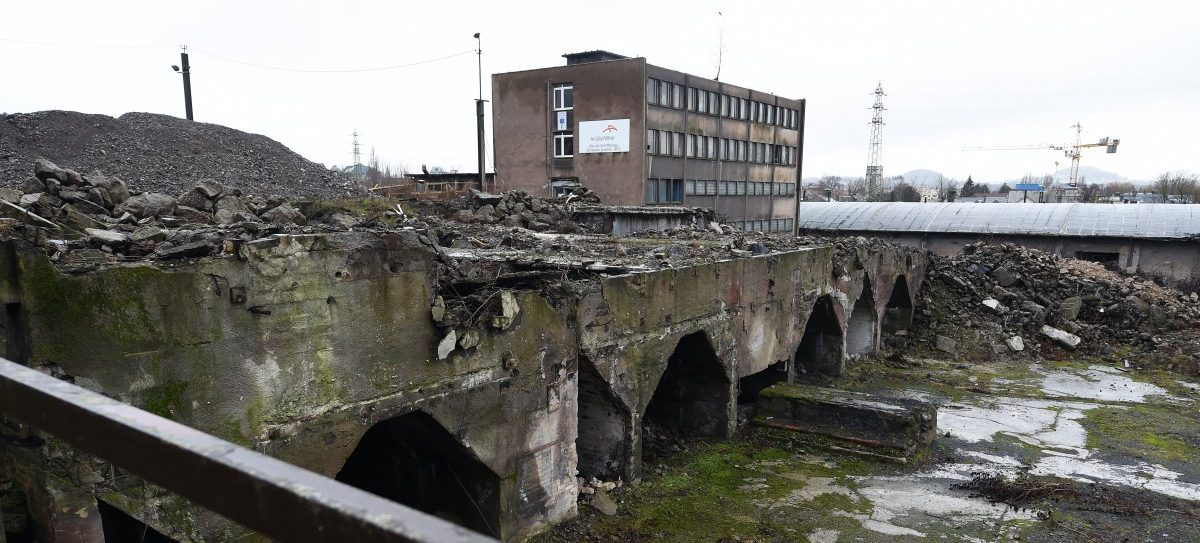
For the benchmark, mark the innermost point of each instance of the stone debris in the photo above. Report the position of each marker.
(1015, 343)
(946, 344)
(991, 294)
(1066, 339)
(156, 153)
(603, 503)
(446, 345)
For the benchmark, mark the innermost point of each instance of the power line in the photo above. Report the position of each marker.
(243, 62)
(337, 71)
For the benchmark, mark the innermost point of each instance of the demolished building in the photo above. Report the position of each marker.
(489, 361)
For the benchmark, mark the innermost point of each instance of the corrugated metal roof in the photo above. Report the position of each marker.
(1159, 221)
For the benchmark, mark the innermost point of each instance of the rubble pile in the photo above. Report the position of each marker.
(83, 220)
(160, 153)
(517, 209)
(992, 299)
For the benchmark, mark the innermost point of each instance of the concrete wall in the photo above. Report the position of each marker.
(297, 345)
(334, 334)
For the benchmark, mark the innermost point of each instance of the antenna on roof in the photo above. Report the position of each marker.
(720, 46)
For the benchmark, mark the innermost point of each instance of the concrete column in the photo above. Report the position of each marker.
(64, 514)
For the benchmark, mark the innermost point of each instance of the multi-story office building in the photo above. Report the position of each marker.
(638, 134)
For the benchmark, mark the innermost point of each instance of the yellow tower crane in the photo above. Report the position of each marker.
(1068, 149)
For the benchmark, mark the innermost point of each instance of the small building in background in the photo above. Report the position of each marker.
(638, 134)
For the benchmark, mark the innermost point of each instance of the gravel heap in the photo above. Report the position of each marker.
(975, 303)
(160, 153)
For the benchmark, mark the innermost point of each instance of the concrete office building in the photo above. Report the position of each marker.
(638, 134)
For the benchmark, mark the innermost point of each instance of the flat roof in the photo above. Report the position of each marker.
(1148, 221)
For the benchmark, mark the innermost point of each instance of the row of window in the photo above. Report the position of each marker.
(768, 225)
(738, 188)
(662, 142)
(671, 191)
(668, 94)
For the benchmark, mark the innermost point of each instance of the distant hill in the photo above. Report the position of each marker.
(1091, 174)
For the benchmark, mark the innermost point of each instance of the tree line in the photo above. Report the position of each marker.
(1173, 187)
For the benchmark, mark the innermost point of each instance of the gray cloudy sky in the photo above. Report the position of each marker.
(957, 73)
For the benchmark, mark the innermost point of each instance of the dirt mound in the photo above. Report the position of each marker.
(160, 153)
(975, 303)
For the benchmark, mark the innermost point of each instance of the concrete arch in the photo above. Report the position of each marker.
(693, 396)
(862, 326)
(413, 460)
(898, 313)
(822, 347)
(602, 442)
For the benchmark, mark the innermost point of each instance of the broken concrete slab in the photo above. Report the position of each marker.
(508, 310)
(946, 344)
(603, 503)
(446, 345)
(469, 339)
(1004, 277)
(1015, 343)
(893, 428)
(107, 237)
(1062, 337)
(438, 309)
(992, 304)
(1069, 308)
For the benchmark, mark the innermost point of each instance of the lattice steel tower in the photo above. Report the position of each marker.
(874, 168)
(357, 153)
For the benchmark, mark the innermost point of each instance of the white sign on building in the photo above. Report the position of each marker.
(610, 136)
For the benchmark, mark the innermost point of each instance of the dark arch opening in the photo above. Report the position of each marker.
(603, 437)
(121, 526)
(413, 460)
(750, 385)
(820, 350)
(862, 324)
(898, 313)
(692, 397)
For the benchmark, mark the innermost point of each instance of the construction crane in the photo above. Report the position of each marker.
(1070, 150)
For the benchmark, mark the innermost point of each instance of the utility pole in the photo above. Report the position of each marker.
(874, 153)
(187, 80)
(357, 173)
(479, 114)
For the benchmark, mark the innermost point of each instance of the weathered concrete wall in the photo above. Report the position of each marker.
(298, 345)
(753, 312)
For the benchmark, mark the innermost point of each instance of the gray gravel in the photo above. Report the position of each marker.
(161, 153)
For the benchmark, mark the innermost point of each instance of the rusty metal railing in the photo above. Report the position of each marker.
(272, 497)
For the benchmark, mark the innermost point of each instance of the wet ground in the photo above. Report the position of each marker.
(1078, 451)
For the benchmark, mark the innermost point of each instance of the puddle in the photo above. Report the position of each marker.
(1041, 423)
(1099, 383)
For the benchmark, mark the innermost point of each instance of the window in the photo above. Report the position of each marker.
(676, 144)
(701, 146)
(677, 96)
(664, 93)
(691, 105)
(745, 109)
(724, 105)
(691, 145)
(762, 154)
(691, 186)
(724, 148)
(741, 151)
(664, 191)
(723, 188)
(712, 148)
(651, 90)
(712, 188)
(713, 105)
(564, 96)
(753, 111)
(564, 145)
(753, 156)
(772, 114)
(702, 104)
(652, 142)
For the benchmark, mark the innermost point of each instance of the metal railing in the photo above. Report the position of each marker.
(279, 500)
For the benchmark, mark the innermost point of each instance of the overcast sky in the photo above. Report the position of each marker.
(957, 73)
